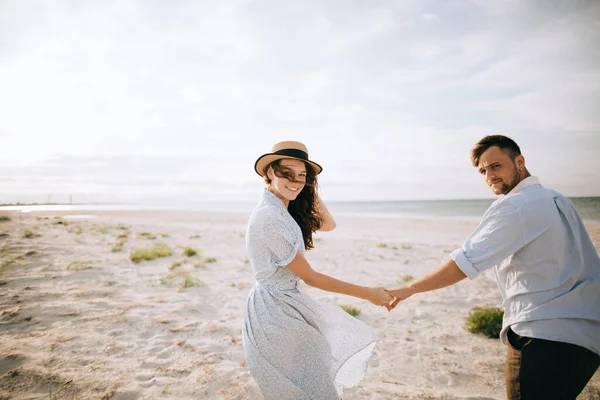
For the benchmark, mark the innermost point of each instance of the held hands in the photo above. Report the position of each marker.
(381, 297)
(399, 294)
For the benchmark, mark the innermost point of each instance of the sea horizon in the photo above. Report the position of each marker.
(588, 207)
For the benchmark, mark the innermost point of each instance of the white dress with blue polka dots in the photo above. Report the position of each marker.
(296, 348)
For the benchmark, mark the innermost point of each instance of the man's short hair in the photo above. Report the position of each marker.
(507, 145)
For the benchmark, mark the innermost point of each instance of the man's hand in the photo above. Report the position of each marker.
(401, 293)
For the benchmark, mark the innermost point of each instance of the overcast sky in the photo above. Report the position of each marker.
(153, 100)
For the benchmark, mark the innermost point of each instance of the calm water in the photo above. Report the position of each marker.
(588, 207)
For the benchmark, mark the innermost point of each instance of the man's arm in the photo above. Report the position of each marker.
(498, 236)
(446, 274)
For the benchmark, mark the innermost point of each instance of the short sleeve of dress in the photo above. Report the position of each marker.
(281, 241)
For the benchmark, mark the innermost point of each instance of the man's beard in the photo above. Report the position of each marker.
(507, 187)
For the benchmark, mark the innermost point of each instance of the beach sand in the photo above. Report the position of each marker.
(80, 321)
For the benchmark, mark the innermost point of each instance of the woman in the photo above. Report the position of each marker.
(297, 348)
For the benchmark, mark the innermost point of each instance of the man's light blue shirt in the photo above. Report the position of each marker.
(545, 263)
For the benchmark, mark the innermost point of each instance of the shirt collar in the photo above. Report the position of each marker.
(530, 180)
(271, 198)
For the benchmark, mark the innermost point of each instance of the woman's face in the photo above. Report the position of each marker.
(289, 182)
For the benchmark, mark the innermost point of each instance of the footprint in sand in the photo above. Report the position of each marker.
(126, 396)
(167, 353)
(144, 376)
(149, 365)
(146, 335)
(412, 351)
(11, 361)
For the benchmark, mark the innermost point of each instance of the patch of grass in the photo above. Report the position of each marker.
(199, 265)
(118, 247)
(30, 235)
(183, 278)
(165, 280)
(79, 231)
(406, 278)
(354, 311)
(382, 245)
(165, 235)
(159, 250)
(166, 389)
(195, 237)
(189, 283)
(103, 230)
(176, 264)
(189, 251)
(7, 250)
(147, 235)
(246, 261)
(77, 266)
(210, 260)
(60, 223)
(486, 320)
(406, 246)
(4, 218)
(124, 235)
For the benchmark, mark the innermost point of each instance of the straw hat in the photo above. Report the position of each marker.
(281, 150)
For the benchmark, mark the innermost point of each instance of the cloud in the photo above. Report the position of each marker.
(430, 17)
(200, 89)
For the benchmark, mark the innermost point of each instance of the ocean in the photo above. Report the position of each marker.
(588, 207)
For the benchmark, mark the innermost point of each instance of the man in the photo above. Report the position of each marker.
(548, 272)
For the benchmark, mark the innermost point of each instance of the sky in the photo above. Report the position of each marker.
(150, 101)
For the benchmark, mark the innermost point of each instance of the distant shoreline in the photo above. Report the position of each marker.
(588, 207)
(341, 202)
(57, 204)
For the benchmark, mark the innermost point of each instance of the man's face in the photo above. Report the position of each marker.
(499, 170)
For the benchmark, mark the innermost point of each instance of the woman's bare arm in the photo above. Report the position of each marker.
(328, 221)
(304, 271)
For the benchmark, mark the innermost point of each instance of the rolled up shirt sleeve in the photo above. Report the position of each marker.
(498, 236)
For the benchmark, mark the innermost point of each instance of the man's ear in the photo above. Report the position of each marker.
(270, 173)
(520, 162)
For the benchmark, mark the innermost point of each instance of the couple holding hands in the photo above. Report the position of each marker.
(546, 266)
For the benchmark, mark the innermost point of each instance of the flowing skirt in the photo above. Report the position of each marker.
(300, 349)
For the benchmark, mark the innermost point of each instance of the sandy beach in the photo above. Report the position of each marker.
(80, 320)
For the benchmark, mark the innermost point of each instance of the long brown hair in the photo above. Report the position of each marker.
(304, 209)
